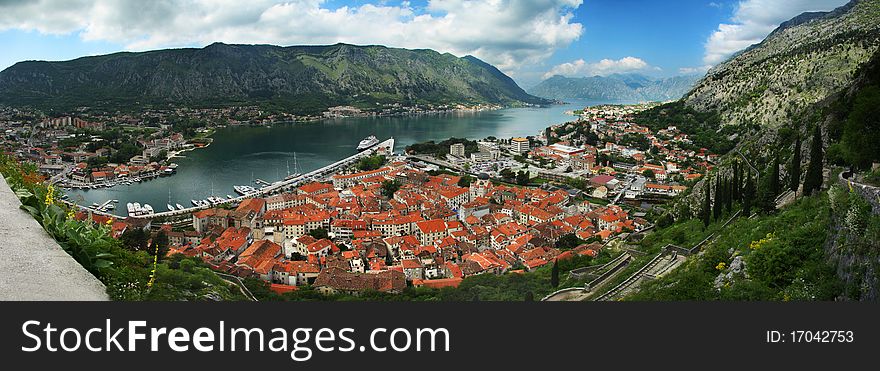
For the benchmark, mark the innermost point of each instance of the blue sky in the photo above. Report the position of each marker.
(529, 40)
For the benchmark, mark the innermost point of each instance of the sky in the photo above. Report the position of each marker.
(530, 40)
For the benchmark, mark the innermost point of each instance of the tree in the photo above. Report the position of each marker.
(775, 186)
(795, 168)
(554, 274)
(135, 239)
(319, 233)
(765, 199)
(529, 296)
(371, 163)
(716, 204)
(861, 132)
(707, 204)
(748, 194)
(159, 245)
(648, 173)
(389, 187)
(522, 178)
(737, 180)
(728, 195)
(465, 181)
(813, 178)
(568, 242)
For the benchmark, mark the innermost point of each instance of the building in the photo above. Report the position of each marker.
(519, 145)
(457, 150)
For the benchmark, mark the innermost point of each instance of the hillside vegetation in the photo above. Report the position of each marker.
(801, 63)
(298, 79)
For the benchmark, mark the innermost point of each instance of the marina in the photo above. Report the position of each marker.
(241, 154)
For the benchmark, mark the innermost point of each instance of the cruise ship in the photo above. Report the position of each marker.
(367, 142)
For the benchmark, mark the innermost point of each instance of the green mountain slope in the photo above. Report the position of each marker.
(305, 79)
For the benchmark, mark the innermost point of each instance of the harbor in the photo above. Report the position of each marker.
(239, 155)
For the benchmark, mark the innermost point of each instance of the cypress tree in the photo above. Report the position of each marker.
(813, 178)
(707, 202)
(716, 204)
(774, 177)
(728, 199)
(795, 169)
(764, 199)
(554, 274)
(736, 181)
(748, 194)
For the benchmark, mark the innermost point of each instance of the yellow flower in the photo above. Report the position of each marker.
(721, 266)
(50, 195)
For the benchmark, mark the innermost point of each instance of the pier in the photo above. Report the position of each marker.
(283, 185)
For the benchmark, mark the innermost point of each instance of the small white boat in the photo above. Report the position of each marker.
(170, 208)
(180, 207)
(148, 209)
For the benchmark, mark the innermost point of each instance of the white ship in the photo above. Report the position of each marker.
(367, 143)
(244, 190)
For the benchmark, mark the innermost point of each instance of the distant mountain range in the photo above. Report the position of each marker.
(616, 87)
(300, 79)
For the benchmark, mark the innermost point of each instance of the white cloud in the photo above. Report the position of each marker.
(755, 19)
(507, 34)
(601, 68)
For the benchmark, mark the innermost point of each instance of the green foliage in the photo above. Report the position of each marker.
(389, 187)
(440, 150)
(370, 163)
(701, 126)
(748, 196)
(465, 181)
(813, 178)
(319, 233)
(522, 178)
(794, 169)
(568, 242)
(860, 142)
(135, 239)
(159, 245)
(125, 272)
(783, 253)
(554, 275)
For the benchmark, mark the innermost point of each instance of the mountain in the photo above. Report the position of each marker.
(305, 79)
(616, 87)
(802, 62)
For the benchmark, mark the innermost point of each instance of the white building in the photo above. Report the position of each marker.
(519, 145)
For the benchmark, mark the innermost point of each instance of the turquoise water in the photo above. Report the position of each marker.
(243, 153)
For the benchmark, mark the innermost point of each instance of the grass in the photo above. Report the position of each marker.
(783, 255)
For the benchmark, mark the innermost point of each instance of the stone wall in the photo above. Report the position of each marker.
(32, 265)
